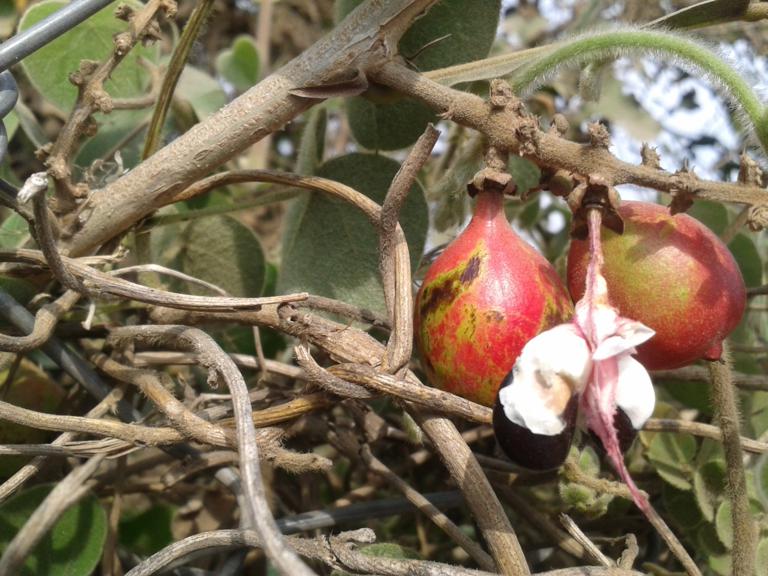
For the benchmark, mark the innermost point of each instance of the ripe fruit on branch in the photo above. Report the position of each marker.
(483, 298)
(672, 274)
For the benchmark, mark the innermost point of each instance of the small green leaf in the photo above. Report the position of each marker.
(202, 92)
(217, 249)
(748, 258)
(761, 480)
(14, 231)
(331, 249)
(524, 172)
(709, 487)
(712, 214)
(387, 126)
(222, 251)
(680, 505)
(672, 455)
(761, 565)
(149, 531)
(707, 13)
(708, 541)
(239, 64)
(72, 547)
(49, 67)
(724, 524)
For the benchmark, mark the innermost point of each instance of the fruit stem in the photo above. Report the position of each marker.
(488, 206)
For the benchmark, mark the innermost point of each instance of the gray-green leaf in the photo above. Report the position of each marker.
(331, 249)
(72, 547)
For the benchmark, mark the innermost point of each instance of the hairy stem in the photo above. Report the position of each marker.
(727, 415)
(599, 46)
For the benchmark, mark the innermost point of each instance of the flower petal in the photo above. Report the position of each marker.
(635, 394)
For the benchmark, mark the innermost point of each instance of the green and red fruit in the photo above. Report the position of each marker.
(483, 298)
(672, 274)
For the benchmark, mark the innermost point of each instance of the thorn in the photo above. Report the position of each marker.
(599, 137)
(650, 156)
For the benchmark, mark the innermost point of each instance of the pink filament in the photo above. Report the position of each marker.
(599, 398)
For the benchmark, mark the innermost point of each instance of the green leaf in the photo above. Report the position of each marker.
(761, 480)
(761, 565)
(379, 125)
(689, 393)
(72, 547)
(312, 145)
(709, 487)
(748, 258)
(387, 126)
(239, 64)
(14, 231)
(672, 455)
(222, 251)
(724, 524)
(524, 172)
(465, 38)
(712, 214)
(49, 67)
(707, 13)
(708, 541)
(680, 505)
(201, 91)
(149, 531)
(331, 249)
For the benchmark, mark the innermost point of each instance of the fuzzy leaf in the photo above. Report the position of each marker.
(748, 258)
(72, 547)
(724, 524)
(387, 121)
(239, 64)
(680, 506)
(709, 487)
(672, 455)
(330, 248)
(49, 67)
(218, 249)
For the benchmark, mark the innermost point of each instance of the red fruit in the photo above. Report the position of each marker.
(672, 274)
(483, 298)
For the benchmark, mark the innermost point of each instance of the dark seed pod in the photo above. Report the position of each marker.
(635, 401)
(531, 450)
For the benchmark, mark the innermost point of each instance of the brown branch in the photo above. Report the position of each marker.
(149, 382)
(701, 374)
(550, 149)
(426, 396)
(469, 477)
(99, 284)
(702, 430)
(394, 263)
(46, 319)
(727, 415)
(220, 366)
(542, 522)
(15, 482)
(430, 510)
